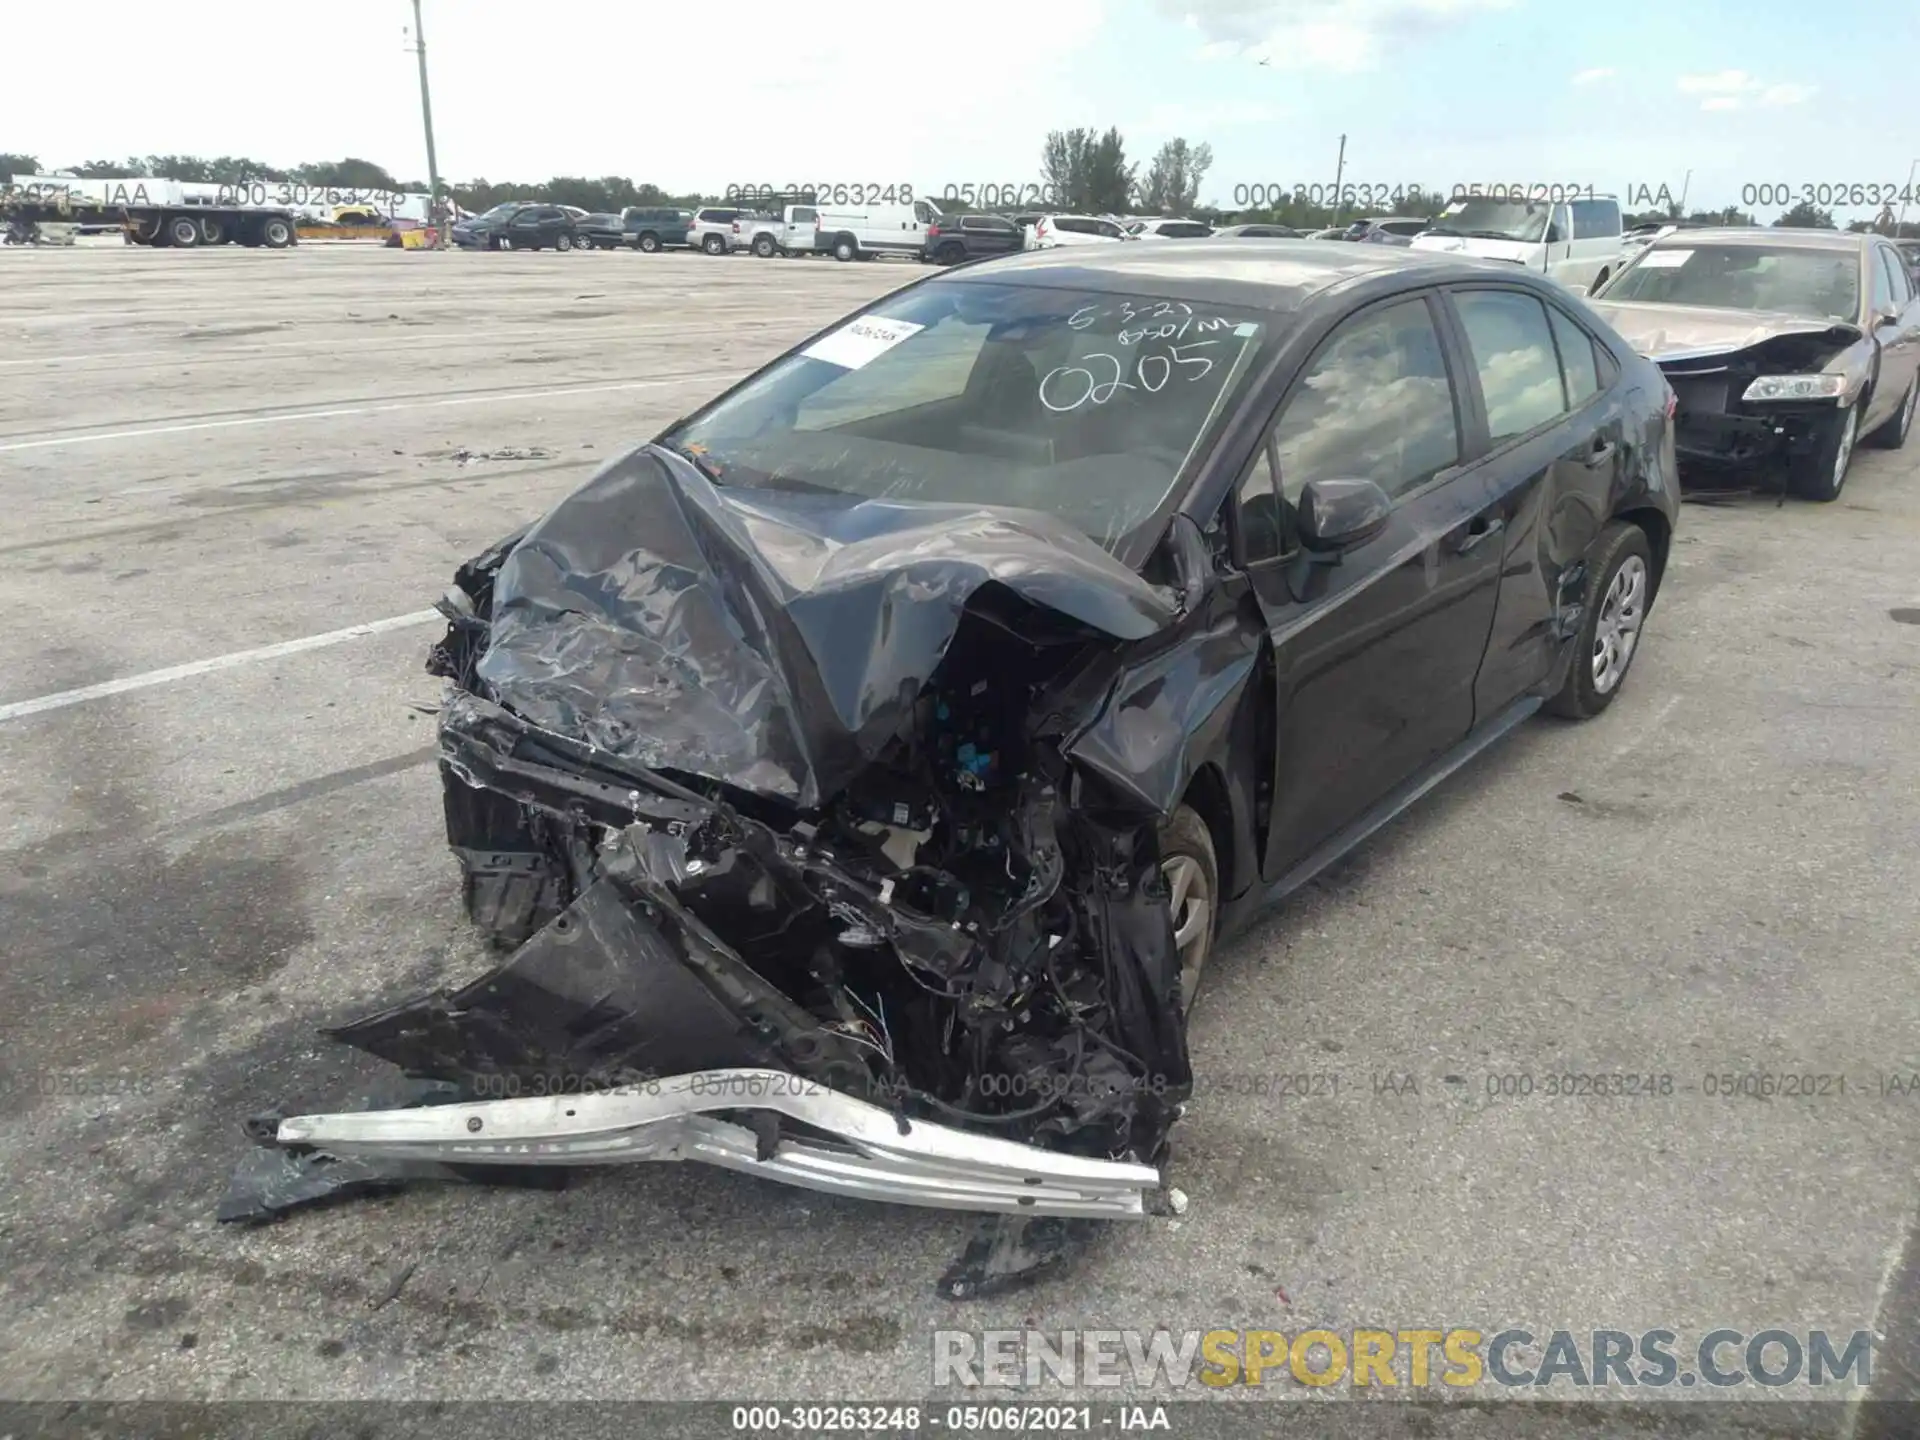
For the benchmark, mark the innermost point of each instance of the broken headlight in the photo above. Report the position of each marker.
(1797, 387)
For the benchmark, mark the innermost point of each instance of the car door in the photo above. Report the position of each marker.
(1375, 656)
(1596, 242)
(524, 228)
(1549, 433)
(1898, 337)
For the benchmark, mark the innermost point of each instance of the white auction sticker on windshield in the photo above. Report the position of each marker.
(1665, 259)
(855, 344)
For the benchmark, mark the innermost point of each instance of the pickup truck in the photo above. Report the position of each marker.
(793, 231)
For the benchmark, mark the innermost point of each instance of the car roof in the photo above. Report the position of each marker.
(1257, 273)
(1766, 235)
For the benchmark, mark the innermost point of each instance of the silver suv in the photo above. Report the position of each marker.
(712, 228)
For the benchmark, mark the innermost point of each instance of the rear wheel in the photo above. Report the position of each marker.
(563, 242)
(1619, 591)
(949, 255)
(1820, 474)
(276, 233)
(714, 245)
(1192, 870)
(1893, 434)
(763, 246)
(183, 230)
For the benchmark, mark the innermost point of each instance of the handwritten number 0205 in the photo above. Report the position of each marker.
(1099, 392)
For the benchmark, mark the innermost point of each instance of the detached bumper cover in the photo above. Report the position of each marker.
(731, 1118)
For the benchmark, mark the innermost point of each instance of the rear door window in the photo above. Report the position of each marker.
(1514, 353)
(1578, 365)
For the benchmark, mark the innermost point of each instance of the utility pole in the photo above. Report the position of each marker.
(1339, 171)
(1685, 185)
(437, 216)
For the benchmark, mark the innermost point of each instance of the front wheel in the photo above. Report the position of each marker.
(1191, 866)
(183, 230)
(649, 243)
(845, 250)
(563, 242)
(1619, 591)
(714, 245)
(1820, 474)
(1893, 434)
(276, 233)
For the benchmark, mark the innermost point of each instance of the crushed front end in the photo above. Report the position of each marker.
(796, 869)
(1719, 430)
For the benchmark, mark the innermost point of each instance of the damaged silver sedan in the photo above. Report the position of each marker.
(1786, 348)
(860, 773)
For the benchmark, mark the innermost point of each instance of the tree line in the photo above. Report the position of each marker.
(1084, 170)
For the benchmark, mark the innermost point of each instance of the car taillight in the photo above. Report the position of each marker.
(1673, 402)
(932, 230)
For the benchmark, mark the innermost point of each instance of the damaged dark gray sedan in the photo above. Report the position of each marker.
(1786, 348)
(861, 772)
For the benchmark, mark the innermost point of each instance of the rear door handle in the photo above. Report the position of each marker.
(1477, 531)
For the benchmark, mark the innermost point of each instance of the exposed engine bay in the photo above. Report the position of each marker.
(862, 798)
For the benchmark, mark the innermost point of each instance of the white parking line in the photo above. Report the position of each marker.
(64, 698)
(58, 440)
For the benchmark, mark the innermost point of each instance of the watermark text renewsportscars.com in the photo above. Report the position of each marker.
(1418, 1358)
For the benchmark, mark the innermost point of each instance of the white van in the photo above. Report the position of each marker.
(861, 234)
(1577, 242)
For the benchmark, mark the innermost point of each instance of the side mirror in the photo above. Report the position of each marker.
(1336, 515)
(1887, 315)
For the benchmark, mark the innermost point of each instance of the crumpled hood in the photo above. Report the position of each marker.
(1674, 332)
(770, 640)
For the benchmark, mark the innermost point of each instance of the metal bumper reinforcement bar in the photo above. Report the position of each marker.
(861, 1150)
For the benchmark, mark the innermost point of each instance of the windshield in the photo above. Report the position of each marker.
(1087, 406)
(1813, 284)
(1495, 220)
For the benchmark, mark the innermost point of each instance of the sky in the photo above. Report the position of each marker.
(1623, 97)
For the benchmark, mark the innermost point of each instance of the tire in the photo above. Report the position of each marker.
(275, 233)
(586, 242)
(212, 232)
(1192, 869)
(845, 250)
(183, 231)
(501, 242)
(563, 242)
(1821, 474)
(1893, 434)
(763, 246)
(648, 242)
(714, 245)
(949, 255)
(1618, 595)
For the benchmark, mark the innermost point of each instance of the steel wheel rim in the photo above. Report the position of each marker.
(1845, 452)
(1191, 904)
(1621, 614)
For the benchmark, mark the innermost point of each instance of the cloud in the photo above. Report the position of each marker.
(1723, 82)
(1595, 76)
(1732, 89)
(1340, 35)
(1177, 118)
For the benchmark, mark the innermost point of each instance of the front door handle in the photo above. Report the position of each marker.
(1601, 453)
(1480, 529)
